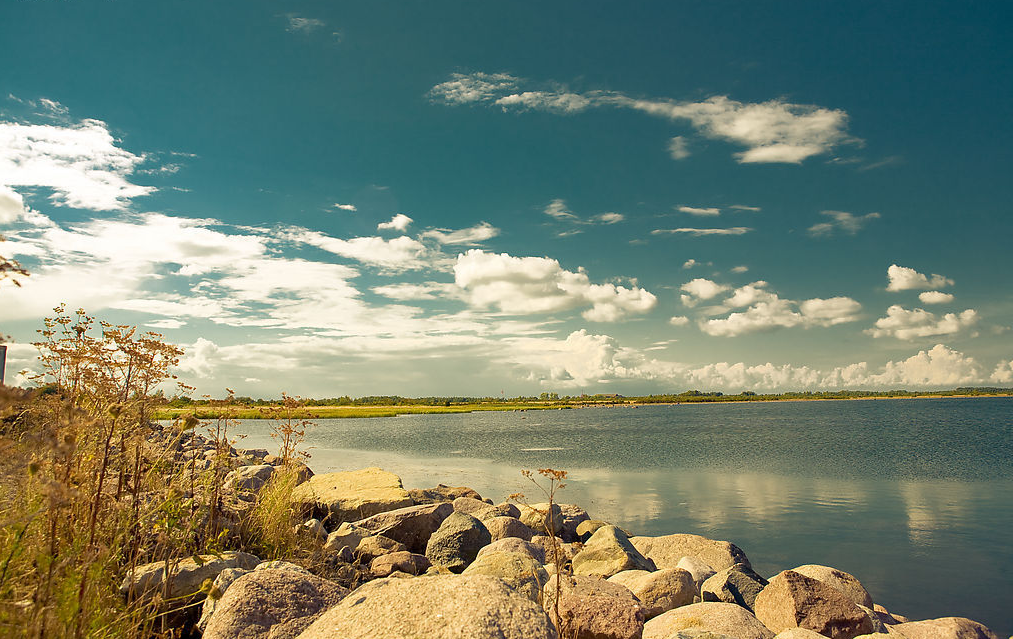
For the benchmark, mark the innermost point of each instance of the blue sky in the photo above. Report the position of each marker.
(468, 198)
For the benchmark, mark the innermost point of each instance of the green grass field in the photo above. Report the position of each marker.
(340, 412)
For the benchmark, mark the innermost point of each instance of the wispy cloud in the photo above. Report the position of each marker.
(700, 211)
(678, 148)
(469, 236)
(841, 221)
(772, 131)
(695, 232)
(558, 210)
(302, 24)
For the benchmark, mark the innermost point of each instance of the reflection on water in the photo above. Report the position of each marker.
(781, 492)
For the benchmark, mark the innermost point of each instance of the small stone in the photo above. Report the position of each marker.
(697, 567)
(347, 534)
(537, 516)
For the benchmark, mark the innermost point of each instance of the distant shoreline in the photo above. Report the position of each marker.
(239, 411)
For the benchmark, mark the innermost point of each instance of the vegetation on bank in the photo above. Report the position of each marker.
(391, 406)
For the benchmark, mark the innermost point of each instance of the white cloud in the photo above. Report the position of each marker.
(399, 222)
(935, 297)
(830, 312)
(690, 263)
(938, 366)
(840, 221)
(346, 207)
(766, 311)
(1003, 373)
(524, 285)
(700, 212)
(679, 320)
(166, 324)
(470, 236)
(735, 230)
(608, 218)
(81, 163)
(425, 291)
(904, 324)
(678, 148)
(395, 255)
(743, 207)
(903, 278)
(12, 205)
(740, 269)
(762, 316)
(772, 131)
(303, 25)
(557, 209)
(702, 289)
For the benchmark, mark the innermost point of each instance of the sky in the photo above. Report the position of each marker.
(459, 198)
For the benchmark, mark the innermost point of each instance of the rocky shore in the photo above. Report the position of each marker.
(443, 562)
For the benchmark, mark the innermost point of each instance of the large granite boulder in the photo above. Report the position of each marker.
(412, 526)
(521, 572)
(441, 493)
(658, 591)
(846, 583)
(794, 600)
(713, 616)
(667, 550)
(347, 534)
(800, 633)
(566, 551)
(512, 544)
(944, 628)
(271, 604)
(697, 567)
(401, 561)
(186, 575)
(221, 583)
(470, 505)
(456, 543)
(437, 607)
(736, 584)
(248, 477)
(592, 608)
(351, 495)
(500, 527)
(608, 552)
(537, 516)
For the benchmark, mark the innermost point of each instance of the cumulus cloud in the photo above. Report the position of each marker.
(903, 278)
(766, 311)
(911, 324)
(841, 221)
(346, 207)
(701, 212)
(470, 236)
(1003, 373)
(830, 312)
(399, 222)
(81, 163)
(690, 263)
(740, 269)
(935, 297)
(679, 320)
(524, 285)
(678, 148)
(699, 289)
(695, 232)
(608, 218)
(772, 131)
(12, 205)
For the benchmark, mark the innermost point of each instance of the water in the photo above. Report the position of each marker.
(914, 497)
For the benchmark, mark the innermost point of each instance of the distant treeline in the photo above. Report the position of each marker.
(601, 398)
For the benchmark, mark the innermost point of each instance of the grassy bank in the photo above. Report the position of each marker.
(339, 412)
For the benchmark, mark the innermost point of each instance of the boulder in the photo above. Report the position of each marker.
(248, 477)
(441, 493)
(456, 543)
(376, 546)
(521, 572)
(700, 570)
(278, 564)
(793, 600)
(499, 510)
(573, 516)
(667, 550)
(592, 608)
(736, 584)
(944, 628)
(470, 505)
(607, 552)
(351, 495)
(512, 544)
(437, 607)
(313, 529)
(401, 561)
(799, 633)
(275, 604)
(218, 588)
(347, 534)
(500, 527)
(566, 551)
(658, 591)
(846, 583)
(186, 575)
(712, 616)
(586, 528)
(536, 517)
(412, 526)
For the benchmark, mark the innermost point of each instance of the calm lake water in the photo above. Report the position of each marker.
(914, 497)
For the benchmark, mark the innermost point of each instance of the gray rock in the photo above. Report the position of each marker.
(512, 544)
(658, 591)
(566, 551)
(736, 584)
(275, 604)
(608, 552)
(944, 628)
(313, 529)
(437, 607)
(469, 505)
(278, 564)
(585, 529)
(573, 516)
(248, 477)
(714, 617)
(457, 541)
(500, 527)
(412, 526)
(521, 572)
(667, 550)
